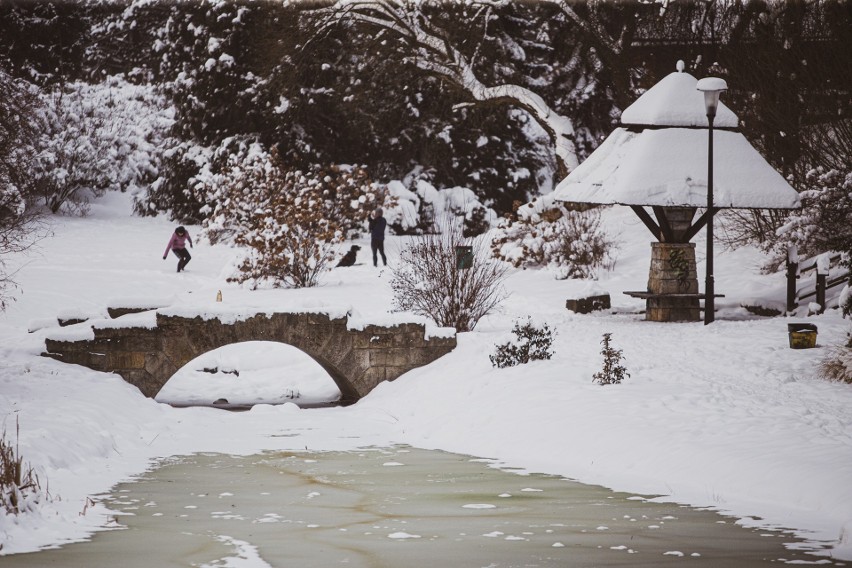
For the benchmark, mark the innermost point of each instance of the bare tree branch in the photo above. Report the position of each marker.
(435, 54)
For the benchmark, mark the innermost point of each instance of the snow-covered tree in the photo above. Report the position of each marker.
(19, 126)
(207, 51)
(499, 97)
(19, 228)
(823, 222)
(421, 27)
(44, 42)
(418, 207)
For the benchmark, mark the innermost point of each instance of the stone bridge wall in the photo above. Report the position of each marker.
(357, 360)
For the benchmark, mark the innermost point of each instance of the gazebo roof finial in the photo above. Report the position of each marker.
(680, 66)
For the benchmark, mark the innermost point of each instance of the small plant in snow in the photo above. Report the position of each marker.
(531, 344)
(613, 372)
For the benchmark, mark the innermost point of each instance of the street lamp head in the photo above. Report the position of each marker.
(712, 88)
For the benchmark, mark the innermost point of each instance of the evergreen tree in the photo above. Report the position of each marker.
(44, 42)
(613, 372)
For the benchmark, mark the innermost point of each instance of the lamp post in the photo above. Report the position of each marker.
(712, 87)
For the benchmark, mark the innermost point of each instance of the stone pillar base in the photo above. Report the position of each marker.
(673, 282)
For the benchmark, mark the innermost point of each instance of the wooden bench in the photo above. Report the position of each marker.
(649, 295)
(671, 307)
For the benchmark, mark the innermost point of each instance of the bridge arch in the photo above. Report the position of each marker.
(241, 375)
(357, 360)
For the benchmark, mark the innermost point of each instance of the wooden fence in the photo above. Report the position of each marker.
(828, 275)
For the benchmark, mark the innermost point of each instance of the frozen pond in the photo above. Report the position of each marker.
(398, 507)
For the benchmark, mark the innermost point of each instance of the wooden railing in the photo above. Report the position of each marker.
(828, 275)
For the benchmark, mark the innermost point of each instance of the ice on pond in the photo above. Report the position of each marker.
(403, 535)
(420, 515)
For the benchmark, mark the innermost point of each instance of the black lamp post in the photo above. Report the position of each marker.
(712, 88)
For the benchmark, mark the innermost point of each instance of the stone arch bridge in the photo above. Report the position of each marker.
(356, 359)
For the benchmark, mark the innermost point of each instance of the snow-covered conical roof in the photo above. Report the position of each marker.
(675, 101)
(659, 157)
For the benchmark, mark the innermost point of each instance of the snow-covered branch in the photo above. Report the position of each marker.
(590, 27)
(435, 54)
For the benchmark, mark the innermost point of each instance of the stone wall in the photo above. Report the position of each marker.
(357, 360)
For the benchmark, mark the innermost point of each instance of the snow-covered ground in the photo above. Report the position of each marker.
(724, 416)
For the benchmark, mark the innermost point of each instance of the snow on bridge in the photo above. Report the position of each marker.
(147, 346)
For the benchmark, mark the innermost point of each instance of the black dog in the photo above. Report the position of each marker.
(349, 258)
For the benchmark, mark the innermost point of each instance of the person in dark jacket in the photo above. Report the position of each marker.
(377, 236)
(177, 244)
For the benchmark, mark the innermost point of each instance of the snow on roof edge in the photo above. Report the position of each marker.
(668, 167)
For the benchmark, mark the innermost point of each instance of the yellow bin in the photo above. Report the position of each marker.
(802, 335)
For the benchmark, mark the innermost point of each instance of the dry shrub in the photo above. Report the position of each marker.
(837, 364)
(20, 489)
(428, 280)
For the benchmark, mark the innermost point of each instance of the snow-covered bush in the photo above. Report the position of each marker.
(544, 233)
(423, 208)
(98, 138)
(19, 219)
(845, 300)
(171, 192)
(429, 279)
(613, 372)
(287, 218)
(15, 227)
(476, 222)
(531, 343)
(20, 119)
(20, 489)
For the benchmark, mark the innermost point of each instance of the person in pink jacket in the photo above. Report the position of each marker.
(177, 244)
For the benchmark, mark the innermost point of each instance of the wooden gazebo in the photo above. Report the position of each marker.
(657, 159)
